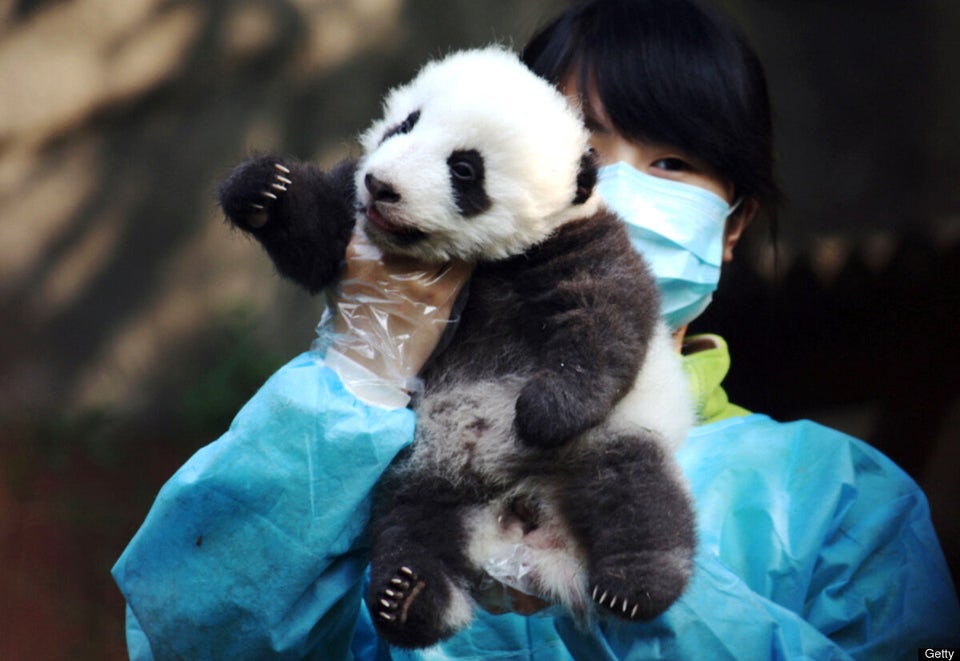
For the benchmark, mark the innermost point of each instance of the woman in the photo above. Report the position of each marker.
(812, 544)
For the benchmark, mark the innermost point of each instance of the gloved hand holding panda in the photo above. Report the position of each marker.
(546, 427)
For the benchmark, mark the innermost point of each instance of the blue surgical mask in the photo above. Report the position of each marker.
(678, 228)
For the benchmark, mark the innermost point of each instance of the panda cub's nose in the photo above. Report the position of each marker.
(380, 190)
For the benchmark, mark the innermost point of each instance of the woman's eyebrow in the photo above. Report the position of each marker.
(592, 123)
(591, 119)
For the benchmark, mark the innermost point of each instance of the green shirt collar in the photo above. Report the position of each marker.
(706, 360)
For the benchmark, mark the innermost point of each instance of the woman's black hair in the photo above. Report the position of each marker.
(671, 72)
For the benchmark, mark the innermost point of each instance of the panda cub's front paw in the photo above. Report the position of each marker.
(549, 413)
(250, 194)
(270, 193)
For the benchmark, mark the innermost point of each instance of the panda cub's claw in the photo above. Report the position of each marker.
(641, 585)
(251, 193)
(619, 606)
(280, 181)
(397, 613)
(279, 184)
(396, 599)
(410, 611)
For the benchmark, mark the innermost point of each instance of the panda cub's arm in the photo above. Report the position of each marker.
(594, 305)
(302, 216)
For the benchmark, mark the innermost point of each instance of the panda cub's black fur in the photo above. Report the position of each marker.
(546, 428)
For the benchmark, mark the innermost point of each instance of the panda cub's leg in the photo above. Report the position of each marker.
(628, 505)
(419, 576)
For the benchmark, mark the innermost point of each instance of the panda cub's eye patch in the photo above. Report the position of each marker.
(403, 127)
(467, 179)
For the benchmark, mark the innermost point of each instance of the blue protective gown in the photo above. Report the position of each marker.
(813, 545)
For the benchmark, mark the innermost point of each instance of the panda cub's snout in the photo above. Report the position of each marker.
(381, 214)
(381, 201)
(380, 191)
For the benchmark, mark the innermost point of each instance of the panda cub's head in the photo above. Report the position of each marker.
(477, 158)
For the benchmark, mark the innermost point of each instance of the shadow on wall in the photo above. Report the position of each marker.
(116, 127)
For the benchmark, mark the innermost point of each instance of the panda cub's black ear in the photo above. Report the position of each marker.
(586, 176)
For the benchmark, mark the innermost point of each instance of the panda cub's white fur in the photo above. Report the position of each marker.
(660, 398)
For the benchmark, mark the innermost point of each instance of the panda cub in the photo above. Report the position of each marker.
(547, 426)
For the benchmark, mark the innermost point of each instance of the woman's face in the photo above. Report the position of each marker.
(658, 160)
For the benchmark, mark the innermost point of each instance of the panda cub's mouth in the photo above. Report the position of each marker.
(398, 232)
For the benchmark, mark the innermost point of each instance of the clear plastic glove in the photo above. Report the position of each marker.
(498, 597)
(384, 320)
(507, 585)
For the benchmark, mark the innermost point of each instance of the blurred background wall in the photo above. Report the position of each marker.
(135, 324)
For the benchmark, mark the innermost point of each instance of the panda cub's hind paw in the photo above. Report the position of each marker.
(641, 585)
(619, 605)
(412, 612)
(396, 599)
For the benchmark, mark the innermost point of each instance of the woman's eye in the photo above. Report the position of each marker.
(672, 164)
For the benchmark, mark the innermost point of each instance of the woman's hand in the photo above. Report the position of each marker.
(390, 313)
(497, 598)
